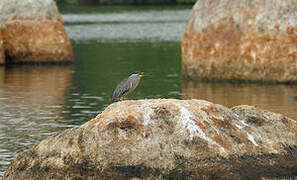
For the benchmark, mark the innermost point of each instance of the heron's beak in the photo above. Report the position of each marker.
(145, 74)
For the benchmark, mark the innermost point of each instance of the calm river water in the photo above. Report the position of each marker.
(39, 101)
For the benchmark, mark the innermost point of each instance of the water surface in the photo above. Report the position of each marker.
(127, 26)
(274, 97)
(39, 101)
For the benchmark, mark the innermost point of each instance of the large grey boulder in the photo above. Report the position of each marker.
(167, 139)
(32, 31)
(241, 39)
(28, 9)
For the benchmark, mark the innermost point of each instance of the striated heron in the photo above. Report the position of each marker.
(127, 85)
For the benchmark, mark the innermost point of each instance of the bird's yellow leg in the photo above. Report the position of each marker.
(122, 98)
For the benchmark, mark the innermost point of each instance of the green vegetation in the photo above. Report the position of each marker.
(65, 8)
(125, 2)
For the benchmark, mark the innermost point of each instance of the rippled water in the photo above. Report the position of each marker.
(38, 101)
(149, 26)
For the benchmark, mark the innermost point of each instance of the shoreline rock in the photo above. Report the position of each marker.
(32, 31)
(251, 40)
(167, 138)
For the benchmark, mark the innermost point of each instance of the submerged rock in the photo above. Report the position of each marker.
(167, 139)
(241, 39)
(33, 31)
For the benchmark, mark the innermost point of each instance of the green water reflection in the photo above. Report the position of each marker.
(100, 66)
(65, 9)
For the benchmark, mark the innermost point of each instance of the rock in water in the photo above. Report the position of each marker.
(2, 55)
(241, 39)
(33, 31)
(166, 139)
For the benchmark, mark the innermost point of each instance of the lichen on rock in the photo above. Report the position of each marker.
(166, 139)
(241, 39)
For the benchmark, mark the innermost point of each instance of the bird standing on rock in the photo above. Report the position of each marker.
(127, 85)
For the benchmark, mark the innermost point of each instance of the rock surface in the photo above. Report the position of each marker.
(167, 139)
(241, 39)
(32, 31)
(2, 56)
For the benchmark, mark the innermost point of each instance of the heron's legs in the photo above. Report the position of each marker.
(122, 98)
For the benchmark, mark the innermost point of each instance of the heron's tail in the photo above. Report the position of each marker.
(112, 99)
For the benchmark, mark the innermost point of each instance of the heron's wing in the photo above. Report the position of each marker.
(123, 87)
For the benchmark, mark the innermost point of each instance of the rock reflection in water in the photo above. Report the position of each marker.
(40, 86)
(275, 97)
(31, 104)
